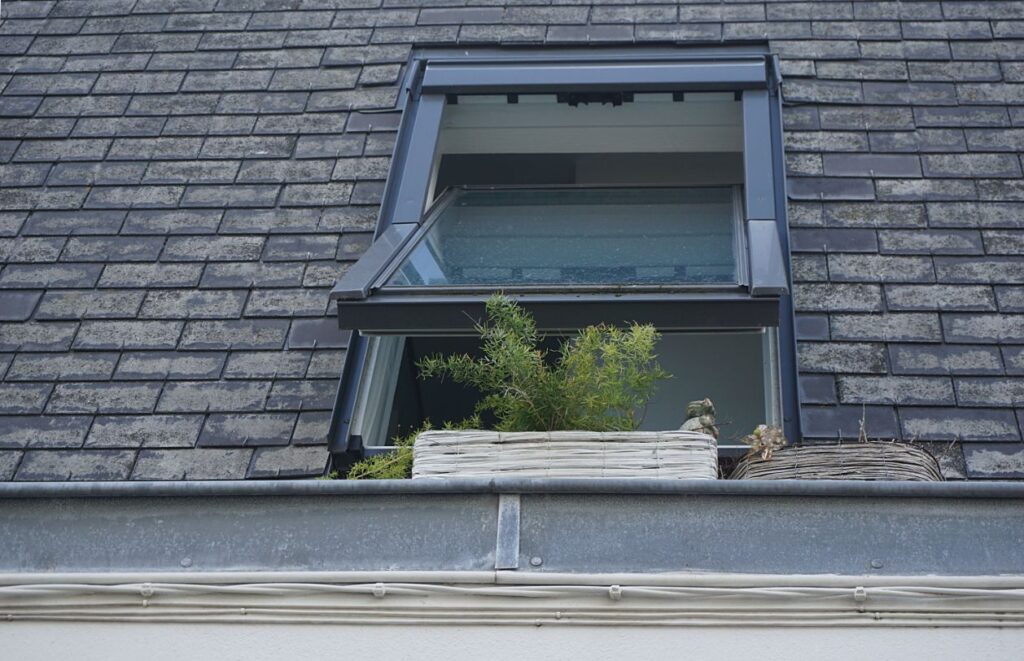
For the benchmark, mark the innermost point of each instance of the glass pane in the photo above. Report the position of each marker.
(615, 236)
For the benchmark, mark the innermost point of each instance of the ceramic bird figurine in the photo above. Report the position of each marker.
(765, 440)
(700, 417)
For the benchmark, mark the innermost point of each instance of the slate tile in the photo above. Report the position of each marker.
(370, 98)
(921, 140)
(999, 461)
(121, 335)
(88, 366)
(976, 214)
(139, 83)
(31, 250)
(817, 389)
(151, 431)
(995, 140)
(34, 431)
(1010, 299)
(52, 83)
(192, 464)
(880, 268)
(247, 429)
(857, 214)
(193, 304)
(900, 190)
(224, 81)
(9, 461)
(290, 58)
(997, 270)
(235, 334)
(945, 359)
(319, 195)
(241, 40)
(902, 390)
(112, 249)
(965, 116)
(820, 188)
(150, 275)
(173, 104)
(11, 222)
(169, 365)
(939, 297)
(267, 364)
(309, 461)
(83, 106)
(183, 221)
(103, 398)
(230, 195)
(317, 334)
(23, 398)
(62, 150)
(891, 327)
(33, 276)
(871, 165)
(207, 396)
(312, 428)
(75, 465)
(844, 422)
(18, 305)
(327, 124)
(375, 54)
(300, 247)
(990, 391)
(248, 147)
(31, 336)
(947, 424)
(88, 304)
(90, 174)
(971, 165)
(314, 79)
(828, 297)
(276, 221)
(155, 42)
(213, 249)
(92, 127)
(935, 242)
(1013, 358)
(824, 240)
(207, 22)
(252, 274)
(181, 172)
(984, 328)
(263, 102)
(192, 61)
(281, 171)
(842, 357)
(811, 327)
(336, 146)
(287, 303)
(118, 62)
(131, 149)
(207, 125)
(489, 34)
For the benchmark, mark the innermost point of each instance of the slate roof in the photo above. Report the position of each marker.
(182, 181)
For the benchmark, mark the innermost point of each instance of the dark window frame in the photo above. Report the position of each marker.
(431, 75)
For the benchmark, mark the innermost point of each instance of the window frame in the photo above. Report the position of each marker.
(431, 75)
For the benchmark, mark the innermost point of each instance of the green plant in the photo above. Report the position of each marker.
(600, 381)
(396, 465)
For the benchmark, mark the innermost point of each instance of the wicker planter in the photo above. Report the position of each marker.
(667, 454)
(873, 460)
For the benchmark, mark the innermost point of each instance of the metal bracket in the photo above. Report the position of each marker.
(506, 555)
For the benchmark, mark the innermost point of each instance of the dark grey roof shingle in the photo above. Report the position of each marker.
(182, 180)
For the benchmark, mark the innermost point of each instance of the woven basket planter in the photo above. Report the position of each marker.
(873, 460)
(667, 454)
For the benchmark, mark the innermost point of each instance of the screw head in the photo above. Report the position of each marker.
(877, 564)
(186, 562)
(536, 561)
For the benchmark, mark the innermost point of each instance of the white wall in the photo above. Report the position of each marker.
(51, 641)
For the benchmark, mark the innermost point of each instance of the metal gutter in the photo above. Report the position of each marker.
(611, 486)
